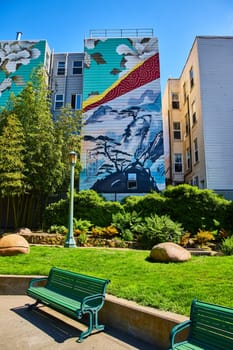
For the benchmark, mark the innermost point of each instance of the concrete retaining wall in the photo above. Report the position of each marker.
(145, 323)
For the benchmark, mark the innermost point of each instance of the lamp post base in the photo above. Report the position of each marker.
(70, 243)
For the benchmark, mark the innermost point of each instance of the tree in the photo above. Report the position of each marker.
(46, 144)
(44, 166)
(68, 130)
(13, 182)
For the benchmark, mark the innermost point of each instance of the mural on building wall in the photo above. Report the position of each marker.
(122, 150)
(17, 60)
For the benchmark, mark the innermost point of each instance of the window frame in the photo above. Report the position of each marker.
(195, 181)
(76, 105)
(194, 114)
(178, 165)
(132, 181)
(77, 68)
(61, 70)
(187, 128)
(188, 158)
(195, 149)
(58, 101)
(185, 92)
(177, 131)
(175, 100)
(191, 77)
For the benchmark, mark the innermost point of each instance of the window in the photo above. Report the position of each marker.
(195, 150)
(194, 116)
(176, 131)
(188, 158)
(76, 101)
(77, 67)
(175, 101)
(184, 92)
(187, 124)
(191, 77)
(178, 162)
(132, 181)
(196, 181)
(59, 101)
(61, 68)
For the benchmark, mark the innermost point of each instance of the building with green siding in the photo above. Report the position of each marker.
(18, 59)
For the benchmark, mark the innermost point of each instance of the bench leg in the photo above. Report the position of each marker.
(89, 330)
(31, 306)
(93, 324)
(97, 326)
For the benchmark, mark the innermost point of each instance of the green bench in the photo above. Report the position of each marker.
(72, 294)
(210, 328)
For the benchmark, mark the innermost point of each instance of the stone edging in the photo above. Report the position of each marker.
(148, 324)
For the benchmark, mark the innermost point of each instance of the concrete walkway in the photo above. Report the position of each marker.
(45, 329)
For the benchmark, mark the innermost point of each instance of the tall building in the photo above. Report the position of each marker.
(198, 118)
(122, 149)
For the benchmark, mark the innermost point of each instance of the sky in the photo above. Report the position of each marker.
(65, 24)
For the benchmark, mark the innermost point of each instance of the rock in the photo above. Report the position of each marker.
(166, 252)
(13, 244)
(24, 231)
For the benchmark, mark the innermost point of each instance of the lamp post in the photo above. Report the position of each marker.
(70, 241)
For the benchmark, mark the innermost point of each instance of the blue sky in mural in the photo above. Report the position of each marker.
(65, 24)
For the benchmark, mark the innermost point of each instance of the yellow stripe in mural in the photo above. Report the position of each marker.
(99, 97)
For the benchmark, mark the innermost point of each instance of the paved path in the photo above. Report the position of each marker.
(45, 329)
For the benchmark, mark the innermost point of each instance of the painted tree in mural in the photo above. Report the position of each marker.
(123, 136)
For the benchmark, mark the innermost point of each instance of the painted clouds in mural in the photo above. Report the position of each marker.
(123, 138)
(14, 55)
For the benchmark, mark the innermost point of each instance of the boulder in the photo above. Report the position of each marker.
(168, 251)
(24, 231)
(13, 244)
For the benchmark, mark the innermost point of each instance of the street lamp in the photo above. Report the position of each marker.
(70, 241)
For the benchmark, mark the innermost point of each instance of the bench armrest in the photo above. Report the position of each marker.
(95, 297)
(178, 328)
(36, 280)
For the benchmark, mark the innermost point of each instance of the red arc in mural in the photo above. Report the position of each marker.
(145, 73)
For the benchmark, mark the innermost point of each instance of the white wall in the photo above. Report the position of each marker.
(216, 84)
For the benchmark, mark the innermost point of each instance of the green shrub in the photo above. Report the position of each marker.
(127, 235)
(90, 206)
(62, 230)
(125, 223)
(158, 229)
(149, 204)
(197, 209)
(227, 246)
(82, 225)
(82, 238)
(56, 212)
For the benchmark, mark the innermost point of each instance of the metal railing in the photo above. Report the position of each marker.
(120, 33)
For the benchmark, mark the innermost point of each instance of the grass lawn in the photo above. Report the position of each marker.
(168, 287)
